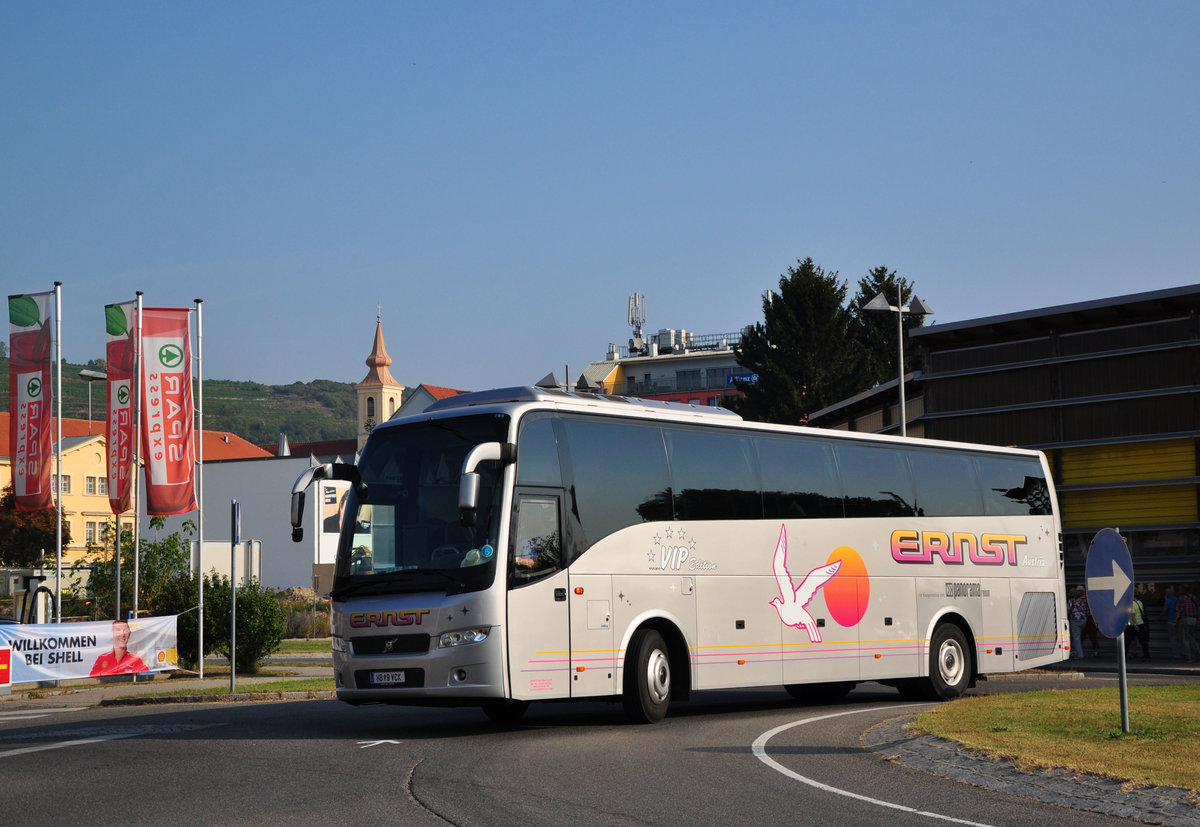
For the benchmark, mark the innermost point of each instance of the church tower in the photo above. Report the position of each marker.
(379, 395)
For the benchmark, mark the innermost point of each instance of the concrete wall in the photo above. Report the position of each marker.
(263, 488)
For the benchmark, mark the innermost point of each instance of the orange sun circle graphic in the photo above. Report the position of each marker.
(849, 592)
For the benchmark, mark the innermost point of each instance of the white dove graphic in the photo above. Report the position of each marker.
(792, 601)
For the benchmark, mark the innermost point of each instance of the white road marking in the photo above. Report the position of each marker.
(95, 735)
(61, 744)
(365, 744)
(760, 752)
(30, 714)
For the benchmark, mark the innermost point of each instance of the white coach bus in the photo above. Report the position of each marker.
(531, 544)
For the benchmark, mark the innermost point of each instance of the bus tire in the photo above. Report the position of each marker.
(506, 713)
(950, 665)
(647, 680)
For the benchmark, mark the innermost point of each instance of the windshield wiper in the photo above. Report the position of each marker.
(370, 587)
(449, 577)
(400, 582)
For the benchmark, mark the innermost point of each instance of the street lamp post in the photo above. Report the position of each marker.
(91, 376)
(916, 308)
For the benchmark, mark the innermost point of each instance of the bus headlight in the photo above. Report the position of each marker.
(463, 637)
(339, 645)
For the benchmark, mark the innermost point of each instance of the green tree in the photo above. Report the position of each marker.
(162, 558)
(181, 596)
(875, 330)
(27, 538)
(804, 351)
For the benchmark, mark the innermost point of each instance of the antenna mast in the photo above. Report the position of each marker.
(637, 318)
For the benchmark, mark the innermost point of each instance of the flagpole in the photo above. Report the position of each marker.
(137, 422)
(200, 488)
(117, 616)
(58, 450)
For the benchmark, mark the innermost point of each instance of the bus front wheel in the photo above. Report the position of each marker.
(508, 712)
(647, 682)
(949, 663)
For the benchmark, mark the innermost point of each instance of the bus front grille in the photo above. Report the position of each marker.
(391, 645)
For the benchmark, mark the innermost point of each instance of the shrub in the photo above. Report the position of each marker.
(260, 620)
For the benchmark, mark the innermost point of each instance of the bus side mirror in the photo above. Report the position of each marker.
(468, 484)
(330, 471)
(468, 497)
(297, 516)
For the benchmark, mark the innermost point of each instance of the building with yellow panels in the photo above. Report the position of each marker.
(1109, 389)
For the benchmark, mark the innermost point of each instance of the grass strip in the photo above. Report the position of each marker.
(1080, 729)
(292, 685)
(296, 646)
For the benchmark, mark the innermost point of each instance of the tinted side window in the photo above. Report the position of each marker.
(1013, 486)
(947, 485)
(713, 475)
(619, 475)
(876, 481)
(536, 546)
(799, 478)
(537, 454)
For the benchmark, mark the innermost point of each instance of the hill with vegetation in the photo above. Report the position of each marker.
(304, 411)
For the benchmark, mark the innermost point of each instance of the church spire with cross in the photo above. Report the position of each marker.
(379, 394)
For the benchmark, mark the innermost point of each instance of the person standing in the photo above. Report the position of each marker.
(1187, 609)
(1137, 630)
(1077, 614)
(1168, 614)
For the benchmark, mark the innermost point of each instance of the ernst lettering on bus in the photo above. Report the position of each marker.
(398, 617)
(955, 548)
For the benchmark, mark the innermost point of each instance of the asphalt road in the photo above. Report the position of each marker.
(725, 758)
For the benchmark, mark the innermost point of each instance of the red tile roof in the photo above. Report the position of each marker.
(217, 444)
(441, 393)
(329, 447)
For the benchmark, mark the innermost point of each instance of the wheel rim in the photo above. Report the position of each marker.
(951, 662)
(658, 676)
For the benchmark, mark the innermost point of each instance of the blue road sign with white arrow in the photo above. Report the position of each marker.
(1109, 574)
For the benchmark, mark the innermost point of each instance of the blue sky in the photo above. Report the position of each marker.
(501, 176)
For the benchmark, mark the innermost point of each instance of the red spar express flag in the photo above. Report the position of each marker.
(29, 399)
(120, 354)
(168, 447)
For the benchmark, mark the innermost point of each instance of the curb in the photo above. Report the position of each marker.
(224, 697)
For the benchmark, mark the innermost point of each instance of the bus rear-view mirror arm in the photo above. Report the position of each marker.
(468, 487)
(328, 471)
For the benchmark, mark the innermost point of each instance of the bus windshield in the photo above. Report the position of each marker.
(402, 531)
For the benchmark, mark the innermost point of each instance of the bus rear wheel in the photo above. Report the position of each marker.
(647, 681)
(950, 665)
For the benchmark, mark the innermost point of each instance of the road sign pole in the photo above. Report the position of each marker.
(235, 516)
(1109, 576)
(1123, 682)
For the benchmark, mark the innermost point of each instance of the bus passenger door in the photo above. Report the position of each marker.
(539, 661)
(593, 657)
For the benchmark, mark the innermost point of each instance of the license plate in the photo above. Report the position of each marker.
(387, 678)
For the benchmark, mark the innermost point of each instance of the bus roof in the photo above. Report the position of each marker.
(635, 407)
(568, 398)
